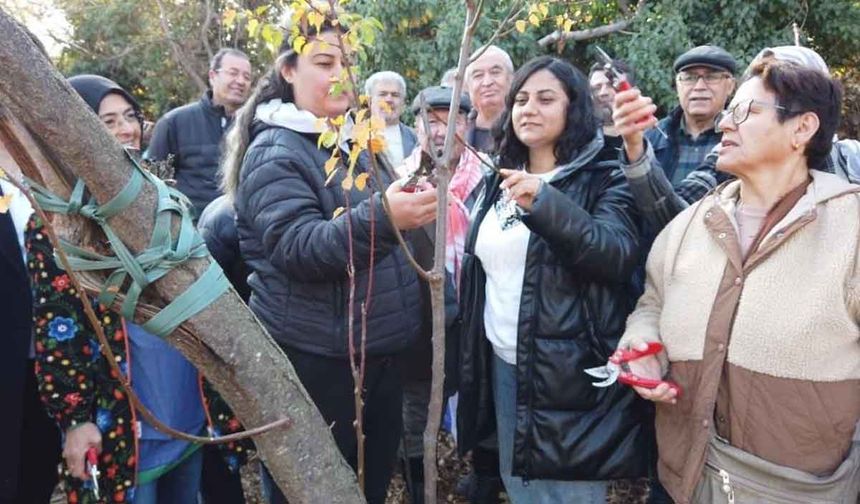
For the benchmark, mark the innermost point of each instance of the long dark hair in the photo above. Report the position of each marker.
(581, 124)
(269, 87)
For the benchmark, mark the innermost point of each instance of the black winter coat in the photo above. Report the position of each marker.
(192, 134)
(298, 252)
(217, 226)
(575, 301)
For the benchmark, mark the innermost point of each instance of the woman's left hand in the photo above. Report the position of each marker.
(522, 187)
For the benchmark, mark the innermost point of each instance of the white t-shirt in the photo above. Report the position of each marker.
(501, 246)
(394, 144)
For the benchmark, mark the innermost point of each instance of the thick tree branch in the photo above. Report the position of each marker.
(241, 360)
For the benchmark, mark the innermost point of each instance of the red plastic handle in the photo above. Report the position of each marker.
(637, 381)
(623, 85)
(92, 456)
(623, 355)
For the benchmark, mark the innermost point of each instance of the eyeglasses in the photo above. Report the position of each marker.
(710, 78)
(114, 121)
(235, 74)
(740, 112)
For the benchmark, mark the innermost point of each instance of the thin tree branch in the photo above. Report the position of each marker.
(204, 28)
(181, 59)
(437, 276)
(590, 33)
(503, 29)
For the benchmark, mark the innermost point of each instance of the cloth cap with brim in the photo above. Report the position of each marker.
(93, 89)
(438, 97)
(802, 56)
(706, 56)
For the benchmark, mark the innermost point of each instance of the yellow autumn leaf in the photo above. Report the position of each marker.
(346, 183)
(359, 117)
(377, 123)
(568, 24)
(543, 9)
(520, 25)
(5, 201)
(316, 19)
(533, 19)
(338, 121)
(2, 173)
(324, 138)
(330, 165)
(361, 181)
(377, 145)
(337, 211)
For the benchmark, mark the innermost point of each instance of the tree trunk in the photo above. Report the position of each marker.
(231, 349)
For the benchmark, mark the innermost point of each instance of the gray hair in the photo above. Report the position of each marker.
(385, 76)
(448, 78)
(506, 58)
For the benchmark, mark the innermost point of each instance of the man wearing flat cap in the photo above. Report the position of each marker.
(463, 189)
(704, 79)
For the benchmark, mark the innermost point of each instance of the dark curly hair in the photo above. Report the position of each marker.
(581, 125)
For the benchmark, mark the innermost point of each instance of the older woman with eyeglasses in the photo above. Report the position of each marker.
(754, 292)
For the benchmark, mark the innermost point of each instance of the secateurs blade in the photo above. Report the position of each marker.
(617, 369)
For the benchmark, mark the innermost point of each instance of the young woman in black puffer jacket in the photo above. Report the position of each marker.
(544, 296)
(297, 245)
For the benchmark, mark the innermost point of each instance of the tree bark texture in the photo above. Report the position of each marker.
(231, 348)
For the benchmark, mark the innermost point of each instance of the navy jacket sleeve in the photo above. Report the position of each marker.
(601, 245)
(282, 203)
(162, 144)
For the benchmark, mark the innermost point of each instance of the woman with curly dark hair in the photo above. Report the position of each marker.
(546, 268)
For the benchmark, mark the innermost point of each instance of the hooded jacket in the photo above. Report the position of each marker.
(297, 243)
(765, 348)
(580, 256)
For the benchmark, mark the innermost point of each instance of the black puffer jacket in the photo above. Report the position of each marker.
(192, 134)
(217, 226)
(575, 301)
(298, 252)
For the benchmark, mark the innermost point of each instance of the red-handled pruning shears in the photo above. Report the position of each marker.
(618, 370)
(617, 79)
(93, 469)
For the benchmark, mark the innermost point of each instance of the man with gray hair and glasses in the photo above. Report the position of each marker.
(387, 94)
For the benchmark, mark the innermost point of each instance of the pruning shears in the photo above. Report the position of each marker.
(93, 469)
(617, 79)
(617, 369)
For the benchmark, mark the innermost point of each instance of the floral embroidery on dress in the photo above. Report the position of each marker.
(77, 385)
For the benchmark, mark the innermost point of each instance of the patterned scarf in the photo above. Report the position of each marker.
(466, 177)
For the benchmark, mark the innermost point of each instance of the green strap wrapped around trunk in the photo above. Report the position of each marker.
(164, 253)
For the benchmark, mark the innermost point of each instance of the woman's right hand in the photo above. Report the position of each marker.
(410, 210)
(649, 367)
(79, 439)
(632, 115)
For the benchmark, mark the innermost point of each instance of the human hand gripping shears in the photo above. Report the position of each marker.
(617, 369)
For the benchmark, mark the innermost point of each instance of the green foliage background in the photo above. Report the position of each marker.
(123, 39)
